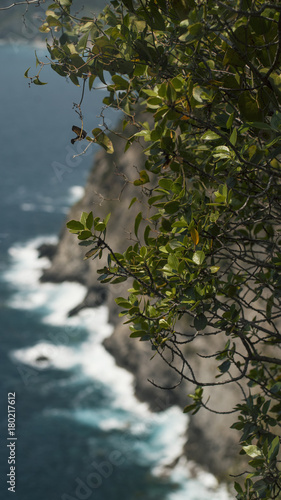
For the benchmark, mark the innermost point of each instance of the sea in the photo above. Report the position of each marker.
(70, 425)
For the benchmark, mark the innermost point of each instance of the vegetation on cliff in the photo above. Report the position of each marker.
(206, 243)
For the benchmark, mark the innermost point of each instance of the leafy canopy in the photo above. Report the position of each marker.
(207, 75)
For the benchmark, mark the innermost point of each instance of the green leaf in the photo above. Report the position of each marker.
(197, 93)
(171, 93)
(83, 243)
(143, 179)
(26, 73)
(260, 487)
(221, 194)
(229, 122)
(120, 83)
(249, 107)
(138, 333)
(165, 183)
(150, 92)
(120, 301)
(259, 125)
(91, 253)
(143, 252)
(99, 226)
(37, 60)
(106, 219)
(83, 218)
(198, 257)
(154, 102)
(171, 207)
(133, 200)
(214, 269)
(140, 69)
(89, 221)
(257, 462)
(36, 81)
(74, 80)
(53, 20)
(83, 42)
(200, 322)
(224, 367)
(232, 57)
(252, 450)
(190, 408)
(274, 449)
(276, 388)
(120, 279)
(138, 220)
(75, 224)
(102, 139)
(146, 235)
(222, 152)
(84, 235)
(163, 323)
(233, 137)
(194, 235)
(177, 83)
(238, 488)
(173, 262)
(210, 136)
(91, 80)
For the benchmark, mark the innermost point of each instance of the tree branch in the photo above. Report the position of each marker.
(26, 2)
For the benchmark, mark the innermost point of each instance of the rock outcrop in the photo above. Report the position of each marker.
(210, 441)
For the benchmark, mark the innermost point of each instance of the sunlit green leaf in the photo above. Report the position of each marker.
(198, 257)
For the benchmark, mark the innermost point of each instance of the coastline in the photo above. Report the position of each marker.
(209, 441)
(58, 350)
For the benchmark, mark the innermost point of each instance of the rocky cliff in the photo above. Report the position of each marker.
(209, 442)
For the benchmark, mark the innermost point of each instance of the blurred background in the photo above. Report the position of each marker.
(80, 431)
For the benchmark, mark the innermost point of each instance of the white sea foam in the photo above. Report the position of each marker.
(46, 204)
(155, 437)
(28, 207)
(26, 269)
(56, 356)
(48, 208)
(56, 299)
(75, 194)
(202, 487)
(32, 207)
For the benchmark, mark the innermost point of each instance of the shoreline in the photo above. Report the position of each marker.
(43, 355)
(210, 441)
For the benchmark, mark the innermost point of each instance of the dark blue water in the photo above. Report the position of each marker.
(80, 432)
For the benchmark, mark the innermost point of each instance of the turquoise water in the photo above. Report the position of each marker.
(80, 432)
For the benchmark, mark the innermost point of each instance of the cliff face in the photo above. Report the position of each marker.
(210, 442)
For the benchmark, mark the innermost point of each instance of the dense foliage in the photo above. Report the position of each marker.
(207, 240)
